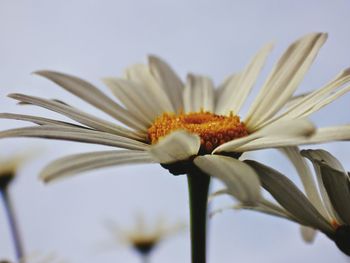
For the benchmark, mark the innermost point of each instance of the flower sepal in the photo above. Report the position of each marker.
(6, 179)
(180, 167)
(342, 239)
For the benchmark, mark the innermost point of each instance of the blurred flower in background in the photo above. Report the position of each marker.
(143, 237)
(9, 166)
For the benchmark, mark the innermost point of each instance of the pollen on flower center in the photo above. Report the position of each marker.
(213, 129)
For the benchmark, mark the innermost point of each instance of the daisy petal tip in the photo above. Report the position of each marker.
(13, 95)
(304, 152)
(311, 129)
(201, 159)
(40, 72)
(153, 58)
(308, 234)
(269, 46)
(107, 80)
(325, 34)
(178, 145)
(44, 178)
(216, 150)
(44, 73)
(345, 72)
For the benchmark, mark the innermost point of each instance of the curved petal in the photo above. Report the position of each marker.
(76, 134)
(234, 96)
(320, 155)
(306, 177)
(322, 135)
(315, 100)
(92, 95)
(241, 180)
(198, 94)
(337, 185)
(78, 163)
(269, 210)
(140, 74)
(37, 120)
(284, 79)
(308, 234)
(79, 116)
(135, 98)
(177, 146)
(168, 80)
(285, 129)
(329, 181)
(224, 89)
(290, 197)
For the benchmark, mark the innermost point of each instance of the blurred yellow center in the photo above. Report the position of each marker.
(213, 129)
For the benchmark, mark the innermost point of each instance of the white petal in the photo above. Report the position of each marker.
(78, 163)
(141, 75)
(36, 120)
(135, 98)
(285, 129)
(225, 91)
(290, 197)
(323, 156)
(284, 79)
(324, 102)
(316, 99)
(168, 80)
(295, 100)
(77, 115)
(198, 94)
(217, 193)
(241, 180)
(282, 213)
(308, 234)
(337, 185)
(238, 89)
(306, 177)
(315, 156)
(74, 134)
(322, 135)
(92, 95)
(177, 146)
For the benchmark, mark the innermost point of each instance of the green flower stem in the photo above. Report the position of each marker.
(9, 210)
(198, 186)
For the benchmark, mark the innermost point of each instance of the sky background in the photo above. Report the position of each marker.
(95, 39)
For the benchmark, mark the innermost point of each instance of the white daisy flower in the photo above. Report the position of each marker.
(189, 128)
(169, 122)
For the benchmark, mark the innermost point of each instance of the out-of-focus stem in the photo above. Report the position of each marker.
(12, 223)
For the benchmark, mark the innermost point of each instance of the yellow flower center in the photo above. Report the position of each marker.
(213, 129)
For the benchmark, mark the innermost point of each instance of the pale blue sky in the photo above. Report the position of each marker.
(94, 39)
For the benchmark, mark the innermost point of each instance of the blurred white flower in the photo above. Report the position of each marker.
(143, 237)
(9, 164)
